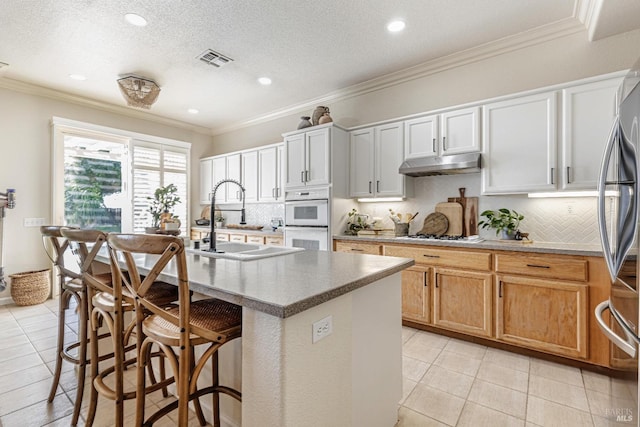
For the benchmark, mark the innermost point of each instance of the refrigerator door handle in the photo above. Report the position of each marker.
(628, 345)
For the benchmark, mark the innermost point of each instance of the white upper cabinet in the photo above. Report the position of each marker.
(270, 173)
(588, 112)
(376, 155)
(308, 157)
(219, 165)
(519, 139)
(206, 178)
(234, 171)
(250, 175)
(453, 132)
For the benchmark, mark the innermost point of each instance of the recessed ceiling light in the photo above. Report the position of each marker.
(77, 77)
(265, 81)
(135, 19)
(193, 111)
(395, 26)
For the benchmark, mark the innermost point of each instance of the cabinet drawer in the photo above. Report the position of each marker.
(360, 248)
(255, 239)
(236, 237)
(558, 267)
(222, 237)
(273, 240)
(440, 257)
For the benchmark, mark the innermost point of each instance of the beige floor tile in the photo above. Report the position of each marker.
(474, 415)
(16, 352)
(17, 379)
(557, 372)
(468, 349)
(507, 359)
(450, 382)
(409, 418)
(22, 312)
(457, 363)
(549, 414)
(27, 361)
(604, 384)
(45, 343)
(500, 398)
(604, 405)
(13, 340)
(407, 387)
(506, 377)
(425, 347)
(24, 396)
(435, 404)
(39, 414)
(614, 421)
(413, 369)
(407, 333)
(558, 392)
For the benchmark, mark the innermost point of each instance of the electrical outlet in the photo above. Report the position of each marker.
(322, 328)
(33, 222)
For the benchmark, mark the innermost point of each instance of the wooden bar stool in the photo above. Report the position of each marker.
(70, 286)
(177, 330)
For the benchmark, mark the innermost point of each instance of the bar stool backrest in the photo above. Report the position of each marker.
(124, 247)
(80, 240)
(52, 235)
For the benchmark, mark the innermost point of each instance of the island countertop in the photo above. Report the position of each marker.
(282, 285)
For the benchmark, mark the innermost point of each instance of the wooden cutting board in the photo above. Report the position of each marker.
(435, 223)
(469, 212)
(453, 212)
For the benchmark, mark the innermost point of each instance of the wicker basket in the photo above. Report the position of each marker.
(30, 287)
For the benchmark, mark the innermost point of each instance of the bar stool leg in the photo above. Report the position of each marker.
(63, 303)
(95, 359)
(82, 354)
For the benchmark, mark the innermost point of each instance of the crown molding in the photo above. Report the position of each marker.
(32, 89)
(556, 30)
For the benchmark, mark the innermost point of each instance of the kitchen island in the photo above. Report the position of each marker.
(351, 377)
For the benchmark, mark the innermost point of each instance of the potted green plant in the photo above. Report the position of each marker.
(355, 222)
(503, 220)
(163, 201)
(219, 220)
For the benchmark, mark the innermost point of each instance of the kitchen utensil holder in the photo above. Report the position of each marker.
(401, 229)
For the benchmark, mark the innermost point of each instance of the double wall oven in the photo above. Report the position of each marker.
(306, 219)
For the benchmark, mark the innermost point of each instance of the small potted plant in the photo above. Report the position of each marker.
(163, 201)
(503, 220)
(219, 220)
(356, 222)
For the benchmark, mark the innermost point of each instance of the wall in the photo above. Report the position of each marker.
(25, 164)
(547, 63)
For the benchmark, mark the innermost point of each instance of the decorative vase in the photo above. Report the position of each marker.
(304, 123)
(317, 113)
(326, 118)
(505, 234)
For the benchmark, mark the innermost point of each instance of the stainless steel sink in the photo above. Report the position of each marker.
(244, 251)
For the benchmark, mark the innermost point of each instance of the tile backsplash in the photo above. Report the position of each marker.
(566, 220)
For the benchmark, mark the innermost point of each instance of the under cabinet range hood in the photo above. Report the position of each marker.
(442, 165)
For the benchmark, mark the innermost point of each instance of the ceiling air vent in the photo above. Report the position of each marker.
(214, 58)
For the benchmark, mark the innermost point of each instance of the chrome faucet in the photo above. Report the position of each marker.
(212, 234)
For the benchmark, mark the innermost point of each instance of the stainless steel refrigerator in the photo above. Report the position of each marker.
(618, 201)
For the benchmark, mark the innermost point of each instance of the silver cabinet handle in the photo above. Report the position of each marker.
(624, 345)
(444, 143)
(552, 174)
(306, 176)
(369, 187)
(433, 145)
(568, 174)
(301, 176)
(377, 186)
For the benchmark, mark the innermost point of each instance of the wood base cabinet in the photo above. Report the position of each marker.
(416, 301)
(545, 315)
(462, 301)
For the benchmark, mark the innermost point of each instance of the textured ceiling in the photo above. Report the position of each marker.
(308, 48)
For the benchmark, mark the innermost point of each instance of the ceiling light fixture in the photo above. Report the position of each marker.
(395, 26)
(78, 77)
(265, 81)
(135, 19)
(193, 111)
(139, 92)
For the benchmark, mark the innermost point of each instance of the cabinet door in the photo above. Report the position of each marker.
(268, 174)
(421, 137)
(317, 147)
(546, 315)
(359, 248)
(255, 239)
(295, 161)
(462, 301)
(415, 294)
(234, 171)
(520, 145)
(281, 174)
(361, 177)
(250, 175)
(460, 131)
(588, 112)
(206, 178)
(219, 165)
(389, 153)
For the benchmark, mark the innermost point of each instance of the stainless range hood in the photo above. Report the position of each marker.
(442, 165)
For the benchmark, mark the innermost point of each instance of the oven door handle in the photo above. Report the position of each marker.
(628, 345)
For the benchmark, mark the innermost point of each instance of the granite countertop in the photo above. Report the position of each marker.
(266, 230)
(282, 285)
(501, 245)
